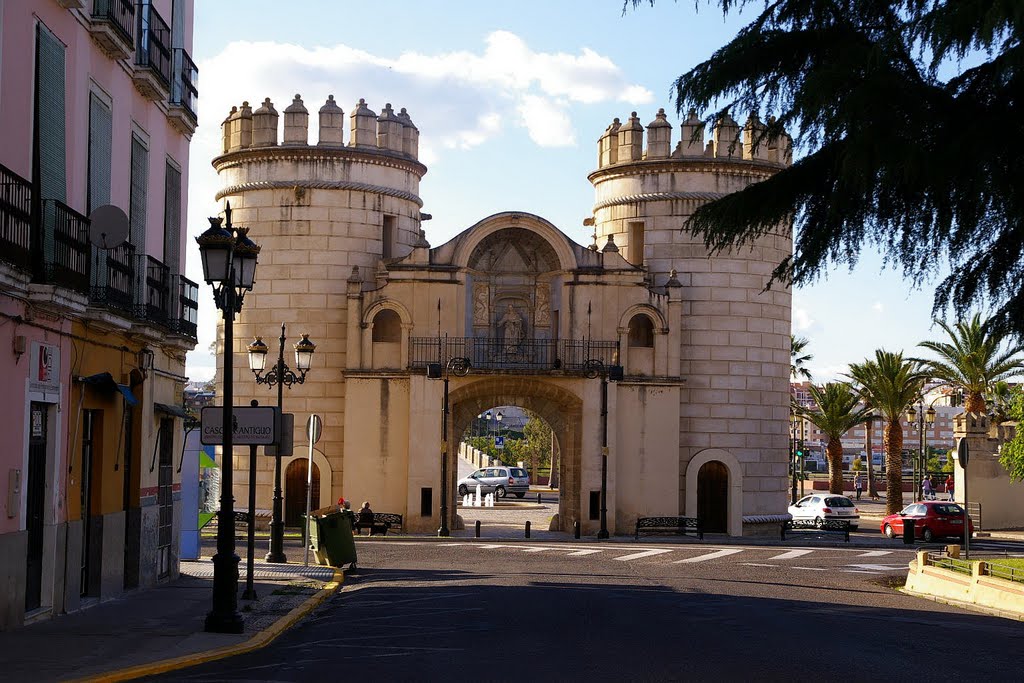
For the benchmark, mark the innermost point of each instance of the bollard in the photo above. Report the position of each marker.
(538, 499)
(527, 529)
(478, 528)
(576, 529)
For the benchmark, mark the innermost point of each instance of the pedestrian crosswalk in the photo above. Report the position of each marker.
(852, 560)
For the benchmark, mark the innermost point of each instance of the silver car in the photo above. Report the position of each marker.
(822, 506)
(500, 481)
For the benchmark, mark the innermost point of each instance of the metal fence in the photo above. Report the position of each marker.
(1005, 571)
(15, 218)
(487, 353)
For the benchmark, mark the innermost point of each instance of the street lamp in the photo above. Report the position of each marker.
(614, 373)
(922, 417)
(281, 376)
(794, 423)
(229, 265)
(869, 447)
(497, 424)
(459, 367)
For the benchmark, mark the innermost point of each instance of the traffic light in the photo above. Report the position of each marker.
(800, 449)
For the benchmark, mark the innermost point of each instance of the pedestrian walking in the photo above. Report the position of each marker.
(926, 489)
(950, 483)
(858, 485)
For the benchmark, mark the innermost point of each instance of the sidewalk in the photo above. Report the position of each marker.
(161, 629)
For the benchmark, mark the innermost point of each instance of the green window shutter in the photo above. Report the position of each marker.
(100, 143)
(172, 219)
(138, 200)
(50, 114)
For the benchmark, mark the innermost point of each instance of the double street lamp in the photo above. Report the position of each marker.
(922, 417)
(229, 265)
(613, 373)
(459, 367)
(280, 375)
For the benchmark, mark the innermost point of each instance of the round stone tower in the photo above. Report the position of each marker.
(735, 339)
(326, 214)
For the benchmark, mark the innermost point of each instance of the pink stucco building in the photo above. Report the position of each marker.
(97, 108)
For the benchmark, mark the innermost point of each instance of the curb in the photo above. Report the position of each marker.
(969, 606)
(258, 640)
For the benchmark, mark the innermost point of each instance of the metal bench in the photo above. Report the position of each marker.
(677, 525)
(841, 526)
(381, 523)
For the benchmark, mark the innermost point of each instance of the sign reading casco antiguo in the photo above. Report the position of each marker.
(252, 426)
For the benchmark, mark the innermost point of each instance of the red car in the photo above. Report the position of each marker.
(932, 519)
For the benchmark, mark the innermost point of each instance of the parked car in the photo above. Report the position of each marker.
(500, 481)
(821, 506)
(932, 519)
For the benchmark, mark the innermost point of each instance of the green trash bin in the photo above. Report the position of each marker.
(330, 536)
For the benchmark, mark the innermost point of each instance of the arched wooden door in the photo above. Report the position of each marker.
(713, 496)
(295, 492)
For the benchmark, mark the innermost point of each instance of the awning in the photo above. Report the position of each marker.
(176, 411)
(105, 382)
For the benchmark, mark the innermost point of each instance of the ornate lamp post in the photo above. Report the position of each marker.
(794, 425)
(281, 376)
(229, 265)
(613, 373)
(922, 417)
(460, 368)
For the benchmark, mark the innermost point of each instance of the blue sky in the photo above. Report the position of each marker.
(510, 99)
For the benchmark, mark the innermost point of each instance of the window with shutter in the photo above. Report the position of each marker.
(100, 141)
(172, 218)
(137, 203)
(49, 93)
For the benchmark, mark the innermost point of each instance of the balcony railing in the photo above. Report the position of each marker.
(114, 278)
(528, 355)
(155, 306)
(65, 247)
(152, 53)
(15, 219)
(187, 307)
(113, 26)
(184, 92)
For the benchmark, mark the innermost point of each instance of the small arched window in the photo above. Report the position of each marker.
(641, 331)
(387, 326)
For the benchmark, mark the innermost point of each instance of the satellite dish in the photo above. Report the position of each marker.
(108, 227)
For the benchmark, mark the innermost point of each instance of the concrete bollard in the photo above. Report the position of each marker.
(538, 499)
(527, 529)
(576, 529)
(478, 528)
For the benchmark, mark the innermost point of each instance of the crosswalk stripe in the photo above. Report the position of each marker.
(710, 556)
(587, 552)
(534, 550)
(814, 569)
(646, 553)
(792, 554)
(757, 564)
(875, 553)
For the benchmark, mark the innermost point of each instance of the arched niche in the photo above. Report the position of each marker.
(734, 503)
(386, 335)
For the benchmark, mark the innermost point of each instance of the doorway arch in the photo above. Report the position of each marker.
(295, 491)
(552, 401)
(734, 497)
(713, 496)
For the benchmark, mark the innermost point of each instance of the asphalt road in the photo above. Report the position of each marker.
(431, 610)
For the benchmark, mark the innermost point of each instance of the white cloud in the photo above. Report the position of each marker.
(547, 121)
(877, 307)
(829, 373)
(802, 320)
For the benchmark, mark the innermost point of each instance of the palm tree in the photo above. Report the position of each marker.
(889, 384)
(999, 397)
(798, 362)
(972, 360)
(838, 411)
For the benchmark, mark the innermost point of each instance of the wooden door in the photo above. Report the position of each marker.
(295, 492)
(35, 499)
(713, 496)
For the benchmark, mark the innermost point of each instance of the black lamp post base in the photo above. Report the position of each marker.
(276, 553)
(443, 532)
(602, 534)
(224, 617)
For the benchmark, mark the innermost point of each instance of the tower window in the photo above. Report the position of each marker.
(387, 326)
(388, 237)
(641, 331)
(635, 248)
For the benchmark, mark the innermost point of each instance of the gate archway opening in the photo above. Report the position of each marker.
(713, 496)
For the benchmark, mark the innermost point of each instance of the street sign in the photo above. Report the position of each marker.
(284, 445)
(315, 424)
(252, 426)
(963, 453)
(499, 442)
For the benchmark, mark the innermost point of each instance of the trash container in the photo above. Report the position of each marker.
(330, 536)
(908, 531)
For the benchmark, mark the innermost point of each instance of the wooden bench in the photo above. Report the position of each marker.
(677, 525)
(840, 526)
(381, 523)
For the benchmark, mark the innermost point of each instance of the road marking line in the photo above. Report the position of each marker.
(858, 571)
(710, 556)
(875, 553)
(792, 554)
(587, 552)
(646, 553)
(758, 564)
(535, 550)
(814, 569)
(879, 567)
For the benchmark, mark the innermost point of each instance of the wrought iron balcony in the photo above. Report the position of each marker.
(113, 27)
(184, 92)
(574, 356)
(15, 219)
(114, 278)
(152, 73)
(187, 312)
(156, 291)
(63, 257)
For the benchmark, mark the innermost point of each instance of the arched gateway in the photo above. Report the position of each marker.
(514, 312)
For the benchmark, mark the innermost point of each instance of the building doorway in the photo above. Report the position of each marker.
(713, 496)
(295, 491)
(35, 498)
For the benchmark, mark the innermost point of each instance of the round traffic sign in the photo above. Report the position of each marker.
(963, 453)
(314, 427)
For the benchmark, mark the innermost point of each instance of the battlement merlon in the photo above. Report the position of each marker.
(624, 143)
(392, 133)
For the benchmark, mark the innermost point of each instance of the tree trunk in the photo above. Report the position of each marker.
(975, 403)
(893, 442)
(834, 449)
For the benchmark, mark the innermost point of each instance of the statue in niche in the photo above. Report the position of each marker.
(512, 324)
(543, 305)
(480, 308)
